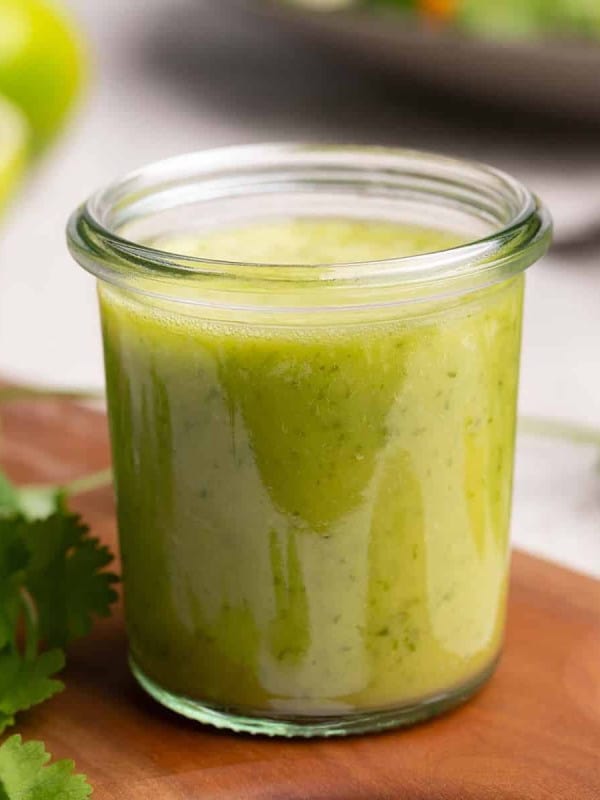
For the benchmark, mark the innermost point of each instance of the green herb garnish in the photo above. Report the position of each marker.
(26, 775)
(53, 582)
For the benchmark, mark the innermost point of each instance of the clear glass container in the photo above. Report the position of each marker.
(313, 462)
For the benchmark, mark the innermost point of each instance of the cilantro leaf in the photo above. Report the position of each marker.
(65, 577)
(26, 682)
(25, 774)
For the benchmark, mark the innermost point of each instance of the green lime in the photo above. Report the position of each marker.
(41, 63)
(14, 138)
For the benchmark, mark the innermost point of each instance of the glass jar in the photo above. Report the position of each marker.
(313, 463)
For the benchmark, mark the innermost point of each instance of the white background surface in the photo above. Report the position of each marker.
(177, 75)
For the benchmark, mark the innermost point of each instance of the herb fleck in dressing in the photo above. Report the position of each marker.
(317, 517)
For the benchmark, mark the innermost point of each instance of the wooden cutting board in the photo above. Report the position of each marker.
(532, 734)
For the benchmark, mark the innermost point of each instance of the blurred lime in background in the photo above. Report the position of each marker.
(14, 140)
(41, 64)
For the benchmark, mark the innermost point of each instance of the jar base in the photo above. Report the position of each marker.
(229, 718)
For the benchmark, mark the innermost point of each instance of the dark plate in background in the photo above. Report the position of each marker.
(558, 77)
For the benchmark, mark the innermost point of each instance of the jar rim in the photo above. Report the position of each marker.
(519, 239)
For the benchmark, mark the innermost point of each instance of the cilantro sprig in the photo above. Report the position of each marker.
(53, 582)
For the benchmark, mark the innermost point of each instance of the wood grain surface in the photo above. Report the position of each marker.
(533, 733)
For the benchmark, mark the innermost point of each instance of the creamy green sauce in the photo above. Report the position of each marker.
(313, 519)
